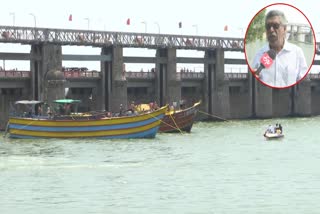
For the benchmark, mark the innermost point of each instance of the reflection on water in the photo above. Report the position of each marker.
(221, 167)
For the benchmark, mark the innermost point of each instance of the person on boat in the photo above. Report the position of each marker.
(49, 112)
(175, 105)
(182, 104)
(61, 110)
(271, 129)
(168, 108)
(29, 114)
(151, 105)
(67, 108)
(171, 109)
(155, 105)
(132, 108)
(120, 110)
(276, 128)
(40, 110)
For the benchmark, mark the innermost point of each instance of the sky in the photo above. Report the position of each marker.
(202, 17)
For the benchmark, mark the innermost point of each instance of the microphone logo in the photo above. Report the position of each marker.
(266, 60)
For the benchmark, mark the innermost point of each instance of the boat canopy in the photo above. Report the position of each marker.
(66, 101)
(28, 102)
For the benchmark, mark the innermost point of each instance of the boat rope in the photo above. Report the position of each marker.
(177, 127)
(214, 116)
(161, 121)
(169, 125)
(28, 124)
(7, 129)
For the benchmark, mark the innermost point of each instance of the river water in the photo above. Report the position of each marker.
(221, 167)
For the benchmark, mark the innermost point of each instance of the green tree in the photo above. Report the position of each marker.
(257, 27)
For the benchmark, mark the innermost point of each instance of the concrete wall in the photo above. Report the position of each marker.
(315, 97)
(303, 98)
(240, 100)
(281, 102)
(263, 101)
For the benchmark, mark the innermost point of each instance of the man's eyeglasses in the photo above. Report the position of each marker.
(275, 26)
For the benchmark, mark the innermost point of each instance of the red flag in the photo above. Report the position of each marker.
(226, 28)
(180, 24)
(128, 21)
(70, 17)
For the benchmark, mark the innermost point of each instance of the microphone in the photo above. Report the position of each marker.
(266, 60)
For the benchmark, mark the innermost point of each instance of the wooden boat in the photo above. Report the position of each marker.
(180, 120)
(83, 125)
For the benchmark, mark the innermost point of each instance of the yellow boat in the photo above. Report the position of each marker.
(143, 125)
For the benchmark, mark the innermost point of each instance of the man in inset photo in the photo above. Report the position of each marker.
(280, 63)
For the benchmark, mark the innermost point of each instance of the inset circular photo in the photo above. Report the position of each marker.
(280, 45)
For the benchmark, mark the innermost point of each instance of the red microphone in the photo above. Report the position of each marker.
(266, 60)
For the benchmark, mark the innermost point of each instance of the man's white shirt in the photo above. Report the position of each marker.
(287, 68)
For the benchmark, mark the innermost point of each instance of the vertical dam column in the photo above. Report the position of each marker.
(168, 85)
(115, 90)
(216, 92)
(100, 94)
(35, 67)
(302, 98)
(252, 94)
(263, 100)
(47, 78)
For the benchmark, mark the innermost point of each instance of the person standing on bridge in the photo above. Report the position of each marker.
(288, 65)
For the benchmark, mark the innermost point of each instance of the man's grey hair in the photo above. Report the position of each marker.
(279, 13)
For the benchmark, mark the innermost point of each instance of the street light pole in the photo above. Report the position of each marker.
(13, 18)
(34, 19)
(145, 26)
(88, 20)
(158, 27)
(241, 30)
(196, 26)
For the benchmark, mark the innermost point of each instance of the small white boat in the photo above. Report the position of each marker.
(269, 135)
(274, 132)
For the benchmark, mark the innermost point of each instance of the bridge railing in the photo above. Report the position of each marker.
(81, 74)
(14, 74)
(139, 75)
(314, 75)
(30, 35)
(190, 75)
(236, 75)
